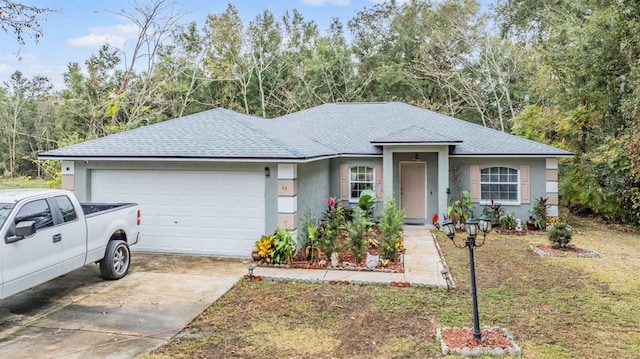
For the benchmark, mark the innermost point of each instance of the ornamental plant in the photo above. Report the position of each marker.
(367, 202)
(357, 229)
(332, 226)
(283, 246)
(264, 247)
(559, 234)
(391, 223)
(539, 214)
(310, 240)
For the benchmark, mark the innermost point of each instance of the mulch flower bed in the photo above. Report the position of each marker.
(547, 250)
(493, 341)
(346, 261)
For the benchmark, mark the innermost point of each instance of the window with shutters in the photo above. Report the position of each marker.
(499, 184)
(360, 178)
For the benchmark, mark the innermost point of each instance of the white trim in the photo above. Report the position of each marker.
(426, 143)
(509, 156)
(373, 180)
(276, 160)
(189, 159)
(287, 171)
(288, 204)
(507, 203)
(552, 163)
(552, 187)
(67, 167)
(484, 202)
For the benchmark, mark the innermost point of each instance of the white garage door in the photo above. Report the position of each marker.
(199, 212)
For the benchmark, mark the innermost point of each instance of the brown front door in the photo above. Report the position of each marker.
(412, 189)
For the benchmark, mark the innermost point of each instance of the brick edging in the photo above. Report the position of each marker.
(442, 260)
(342, 282)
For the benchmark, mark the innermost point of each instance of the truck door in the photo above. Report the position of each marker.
(33, 259)
(73, 233)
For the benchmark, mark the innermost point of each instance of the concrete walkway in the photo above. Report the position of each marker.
(422, 264)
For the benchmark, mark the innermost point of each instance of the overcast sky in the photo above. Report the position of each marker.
(79, 27)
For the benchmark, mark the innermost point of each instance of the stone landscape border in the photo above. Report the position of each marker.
(541, 253)
(477, 351)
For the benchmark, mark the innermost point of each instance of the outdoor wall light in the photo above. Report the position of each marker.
(267, 172)
(472, 226)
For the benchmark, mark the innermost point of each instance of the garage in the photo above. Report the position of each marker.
(193, 212)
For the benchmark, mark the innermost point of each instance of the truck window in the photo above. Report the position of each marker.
(37, 211)
(66, 208)
(5, 208)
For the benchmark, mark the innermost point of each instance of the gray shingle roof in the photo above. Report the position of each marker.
(326, 130)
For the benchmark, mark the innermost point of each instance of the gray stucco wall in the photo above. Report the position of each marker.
(83, 178)
(313, 189)
(537, 180)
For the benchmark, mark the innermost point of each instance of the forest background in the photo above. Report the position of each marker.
(566, 73)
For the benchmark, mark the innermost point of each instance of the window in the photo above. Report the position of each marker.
(37, 211)
(499, 183)
(66, 208)
(360, 178)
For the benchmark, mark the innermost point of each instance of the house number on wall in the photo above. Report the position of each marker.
(284, 188)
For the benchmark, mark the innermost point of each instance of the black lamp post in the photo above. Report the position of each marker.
(472, 227)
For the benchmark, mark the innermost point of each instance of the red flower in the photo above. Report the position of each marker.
(434, 218)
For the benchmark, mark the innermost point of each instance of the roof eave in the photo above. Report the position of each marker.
(513, 155)
(189, 159)
(415, 143)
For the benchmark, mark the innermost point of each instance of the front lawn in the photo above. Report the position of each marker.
(554, 307)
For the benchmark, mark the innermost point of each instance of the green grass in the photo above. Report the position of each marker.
(554, 307)
(23, 182)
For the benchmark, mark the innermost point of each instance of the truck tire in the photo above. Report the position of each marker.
(115, 263)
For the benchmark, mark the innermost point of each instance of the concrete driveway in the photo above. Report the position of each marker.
(82, 316)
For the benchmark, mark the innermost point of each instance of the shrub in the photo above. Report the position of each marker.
(539, 214)
(390, 225)
(310, 240)
(357, 228)
(508, 221)
(559, 234)
(333, 224)
(495, 211)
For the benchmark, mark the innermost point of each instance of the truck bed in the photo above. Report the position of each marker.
(94, 209)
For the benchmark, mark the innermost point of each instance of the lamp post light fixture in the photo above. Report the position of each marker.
(472, 226)
(250, 269)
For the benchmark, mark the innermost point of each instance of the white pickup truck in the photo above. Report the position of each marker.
(45, 233)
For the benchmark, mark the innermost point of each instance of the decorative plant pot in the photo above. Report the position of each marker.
(256, 255)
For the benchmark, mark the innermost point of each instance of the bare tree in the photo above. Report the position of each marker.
(18, 19)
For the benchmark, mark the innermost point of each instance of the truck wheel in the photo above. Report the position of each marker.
(115, 263)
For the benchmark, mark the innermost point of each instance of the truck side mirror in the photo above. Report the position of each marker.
(23, 229)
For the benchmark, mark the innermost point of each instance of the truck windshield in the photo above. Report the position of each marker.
(5, 208)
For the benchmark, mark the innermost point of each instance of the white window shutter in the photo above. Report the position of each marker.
(378, 183)
(525, 186)
(474, 183)
(344, 182)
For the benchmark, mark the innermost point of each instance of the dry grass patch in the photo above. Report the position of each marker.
(554, 307)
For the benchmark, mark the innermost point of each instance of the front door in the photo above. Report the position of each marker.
(412, 189)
